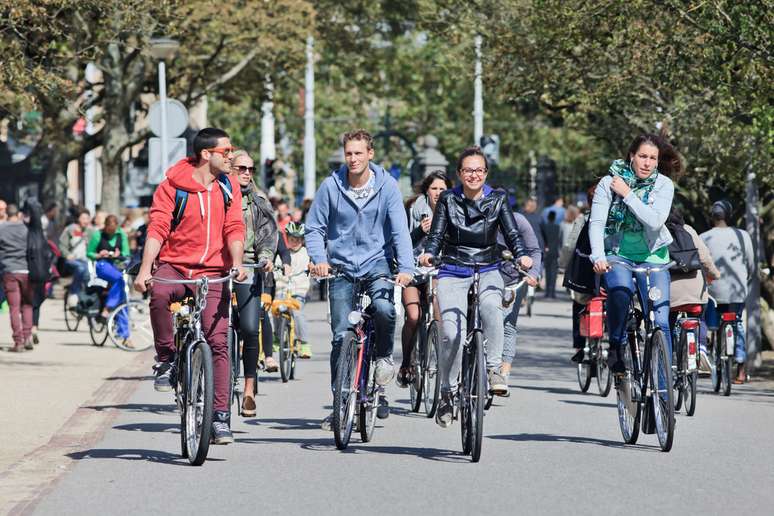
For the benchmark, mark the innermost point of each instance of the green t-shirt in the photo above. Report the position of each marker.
(634, 247)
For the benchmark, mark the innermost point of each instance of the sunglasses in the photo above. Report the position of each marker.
(243, 168)
(225, 151)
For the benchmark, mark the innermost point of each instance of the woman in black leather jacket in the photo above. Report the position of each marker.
(465, 227)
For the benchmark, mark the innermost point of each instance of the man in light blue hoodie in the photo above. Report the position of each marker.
(357, 224)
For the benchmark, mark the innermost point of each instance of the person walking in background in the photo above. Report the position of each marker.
(731, 248)
(39, 261)
(553, 242)
(533, 217)
(16, 284)
(3, 218)
(283, 218)
(570, 214)
(49, 223)
(557, 208)
(73, 243)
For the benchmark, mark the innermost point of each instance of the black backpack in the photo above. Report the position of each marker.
(682, 249)
(579, 275)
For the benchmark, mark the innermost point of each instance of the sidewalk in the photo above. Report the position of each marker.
(42, 390)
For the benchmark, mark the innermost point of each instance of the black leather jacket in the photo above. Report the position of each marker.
(466, 230)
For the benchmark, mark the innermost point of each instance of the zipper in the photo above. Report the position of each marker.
(209, 213)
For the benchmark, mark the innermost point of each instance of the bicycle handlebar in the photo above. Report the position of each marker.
(221, 279)
(635, 268)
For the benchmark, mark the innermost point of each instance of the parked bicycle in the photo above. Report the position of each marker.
(685, 344)
(648, 375)
(192, 373)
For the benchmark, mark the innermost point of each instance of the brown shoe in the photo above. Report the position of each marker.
(248, 407)
(741, 376)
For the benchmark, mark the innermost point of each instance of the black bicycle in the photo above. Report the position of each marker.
(425, 389)
(722, 348)
(648, 375)
(685, 344)
(192, 371)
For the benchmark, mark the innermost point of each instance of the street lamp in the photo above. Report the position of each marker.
(163, 49)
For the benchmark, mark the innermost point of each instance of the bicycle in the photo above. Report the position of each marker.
(425, 389)
(192, 371)
(282, 309)
(89, 307)
(355, 390)
(648, 374)
(685, 333)
(137, 314)
(722, 347)
(594, 363)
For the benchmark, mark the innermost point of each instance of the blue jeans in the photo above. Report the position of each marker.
(341, 292)
(108, 272)
(619, 283)
(712, 316)
(511, 330)
(80, 274)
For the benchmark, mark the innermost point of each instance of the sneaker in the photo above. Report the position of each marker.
(306, 351)
(35, 339)
(383, 409)
(327, 423)
(221, 431)
(497, 384)
(384, 371)
(404, 378)
(163, 380)
(578, 356)
(19, 348)
(445, 412)
(271, 365)
(28, 344)
(72, 300)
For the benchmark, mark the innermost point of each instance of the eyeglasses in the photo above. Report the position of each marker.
(243, 168)
(473, 171)
(225, 151)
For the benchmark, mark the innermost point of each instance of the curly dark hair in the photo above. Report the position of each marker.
(432, 176)
(669, 162)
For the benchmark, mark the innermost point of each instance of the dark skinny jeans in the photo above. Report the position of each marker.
(251, 313)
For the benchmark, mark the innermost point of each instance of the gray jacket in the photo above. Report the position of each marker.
(13, 247)
(652, 216)
(731, 248)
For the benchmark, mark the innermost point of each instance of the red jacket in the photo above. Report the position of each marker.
(199, 244)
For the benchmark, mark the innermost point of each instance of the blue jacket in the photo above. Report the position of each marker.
(355, 239)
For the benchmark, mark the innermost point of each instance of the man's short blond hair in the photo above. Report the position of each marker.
(359, 135)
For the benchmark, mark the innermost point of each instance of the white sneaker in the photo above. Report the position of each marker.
(385, 371)
(72, 300)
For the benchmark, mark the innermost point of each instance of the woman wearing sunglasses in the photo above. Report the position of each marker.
(260, 244)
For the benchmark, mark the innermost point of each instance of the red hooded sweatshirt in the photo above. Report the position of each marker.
(199, 244)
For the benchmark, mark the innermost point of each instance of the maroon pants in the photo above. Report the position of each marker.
(214, 326)
(18, 290)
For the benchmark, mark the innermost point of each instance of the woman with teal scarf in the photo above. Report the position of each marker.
(631, 205)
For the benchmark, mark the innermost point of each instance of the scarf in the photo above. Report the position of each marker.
(620, 218)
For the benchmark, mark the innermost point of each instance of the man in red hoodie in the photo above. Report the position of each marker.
(207, 241)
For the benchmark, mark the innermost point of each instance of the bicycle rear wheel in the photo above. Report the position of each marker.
(283, 336)
(689, 393)
(367, 416)
(604, 376)
(628, 399)
(727, 363)
(98, 330)
(197, 411)
(71, 316)
(431, 387)
(140, 332)
(714, 360)
(584, 374)
(345, 391)
(418, 351)
(662, 390)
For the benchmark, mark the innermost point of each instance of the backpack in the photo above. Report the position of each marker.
(682, 249)
(181, 199)
(579, 275)
(39, 257)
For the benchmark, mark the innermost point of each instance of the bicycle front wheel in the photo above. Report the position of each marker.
(367, 416)
(197, 410)
(473, 393)
(345, 391)
(431, 387)
(129, 326)
(662, 390)
(283, 336)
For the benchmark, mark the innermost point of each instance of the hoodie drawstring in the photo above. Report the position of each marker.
(201, 203)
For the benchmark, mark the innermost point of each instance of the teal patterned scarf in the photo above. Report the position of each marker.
(620, 218)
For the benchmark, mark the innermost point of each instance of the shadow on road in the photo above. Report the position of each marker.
(552, 390)
(286, 424)
(135, 454)
(588, 403)
(137, 407)
(130, 378)
(570, 439)
(327, 445)
(150, 427)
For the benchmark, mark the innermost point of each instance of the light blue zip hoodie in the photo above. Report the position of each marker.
(354, 239)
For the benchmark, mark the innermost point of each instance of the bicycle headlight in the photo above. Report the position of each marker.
(654, 294)
(282, 309)
(355, 317)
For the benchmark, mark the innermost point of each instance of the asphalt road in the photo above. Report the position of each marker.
(548, 449)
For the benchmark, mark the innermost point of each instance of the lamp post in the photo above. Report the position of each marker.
(310, 157)
(163, 49)
(478, 97)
